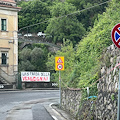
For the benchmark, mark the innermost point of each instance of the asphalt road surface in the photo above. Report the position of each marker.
(26, 105)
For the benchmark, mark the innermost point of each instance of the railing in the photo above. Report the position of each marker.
(7, 78)
(37, 40)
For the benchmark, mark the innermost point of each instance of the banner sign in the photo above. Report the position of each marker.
(35, 76)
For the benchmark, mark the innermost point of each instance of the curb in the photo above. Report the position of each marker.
(57, 113)
(29, 89)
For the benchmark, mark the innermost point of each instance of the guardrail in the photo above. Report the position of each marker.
(9, 79)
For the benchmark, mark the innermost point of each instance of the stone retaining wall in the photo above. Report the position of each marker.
(71, 101)
(106, 108)
(108, 85)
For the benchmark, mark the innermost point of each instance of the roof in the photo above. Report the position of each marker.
(11, 1)
(9, 4)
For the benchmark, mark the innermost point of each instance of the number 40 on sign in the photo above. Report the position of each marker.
(59, 63)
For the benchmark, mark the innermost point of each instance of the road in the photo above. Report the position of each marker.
(26, 105)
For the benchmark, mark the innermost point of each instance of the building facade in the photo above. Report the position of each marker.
(8, 41)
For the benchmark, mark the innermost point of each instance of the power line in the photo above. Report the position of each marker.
(26, 8)
(65, 15)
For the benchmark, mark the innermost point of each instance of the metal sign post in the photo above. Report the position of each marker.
(59, 65)
(118, 111)
(60, 87)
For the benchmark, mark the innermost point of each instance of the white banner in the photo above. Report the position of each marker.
(35, 76)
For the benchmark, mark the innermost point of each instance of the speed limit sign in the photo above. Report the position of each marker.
(60, 66)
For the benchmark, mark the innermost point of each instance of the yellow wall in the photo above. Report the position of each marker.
(9, 40)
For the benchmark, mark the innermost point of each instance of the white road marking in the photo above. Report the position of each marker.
(54, 118)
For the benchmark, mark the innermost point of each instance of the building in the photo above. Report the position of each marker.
(8, 41)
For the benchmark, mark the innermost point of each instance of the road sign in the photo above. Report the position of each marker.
(59, 60)
(59, 63)
(116, 39)
(60, 66)
(116, 35)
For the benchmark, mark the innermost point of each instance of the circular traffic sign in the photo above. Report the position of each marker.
(60, 66)
(116, 35)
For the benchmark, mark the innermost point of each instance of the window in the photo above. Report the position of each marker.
(3, 24)
(4, 58)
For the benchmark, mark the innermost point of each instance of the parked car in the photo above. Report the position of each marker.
(19, 34)
(28, 35)
(41, 34)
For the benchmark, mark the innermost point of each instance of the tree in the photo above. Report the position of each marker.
(38, 59)
(82, 67)
(62, 25)
(32, 60)
(24, 60)
(87, 17)
(91, 47)
(33, 12)
(67, 76)
(26, 66)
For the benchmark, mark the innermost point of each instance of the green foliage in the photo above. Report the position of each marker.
(33, 12)
(33, 59)
(68, 52)
(37, 58)
(26, 66)
(82, 63)
(106, 60)
(25, 54)
(113, 97)
(89, 50)
(67, 27)
(88, 17)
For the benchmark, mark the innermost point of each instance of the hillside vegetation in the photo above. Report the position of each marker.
(56, 19)
(59, 18)
(82, 50)
(82, 63)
